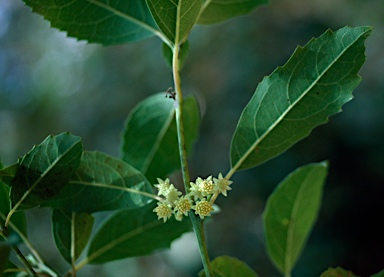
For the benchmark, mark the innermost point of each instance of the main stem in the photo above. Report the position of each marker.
(196, 222)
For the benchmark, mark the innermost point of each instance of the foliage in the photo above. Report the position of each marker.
(158, 136)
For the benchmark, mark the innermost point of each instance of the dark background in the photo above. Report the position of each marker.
(50, 84)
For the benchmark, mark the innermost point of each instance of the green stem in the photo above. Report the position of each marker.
(198, 227)
(196, 222)
(179, 117)
(20, 255)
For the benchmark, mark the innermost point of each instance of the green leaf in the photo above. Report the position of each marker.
(168, 54)
(337, 272)
(7, 174)
(175, 18)
(101, 21)
(18, 224)
(316, 81)
(102, 183)
(71, 232)
(291, 212)
(44, 171)
(149, 140)
(225, 266)
(5, 249)
(131, 233)
(11, 271)
(215, 11)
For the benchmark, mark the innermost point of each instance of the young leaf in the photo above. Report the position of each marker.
(215, 11)
(175, 18)
(44, 171)
(291, 212)
(225, 266)
(131, 233)
(100, 21)
(337, 272)
(316, 81)
(71, 232)
(149, 139)
(102, 183)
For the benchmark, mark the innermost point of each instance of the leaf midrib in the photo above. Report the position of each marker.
(292, 225)
(132, 19)
(158, 141)
(281, 117)
(43, 175)
(123, 238)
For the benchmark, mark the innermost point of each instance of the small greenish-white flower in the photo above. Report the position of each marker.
(163, 186)
(222, 184)
(206, 185)
(203, 208)
(195, 191)
(183, 206)
(163, 211)
(172, 195)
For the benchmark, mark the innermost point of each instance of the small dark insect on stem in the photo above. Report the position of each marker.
(170, 93)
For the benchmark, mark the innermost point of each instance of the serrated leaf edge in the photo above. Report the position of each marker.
(281, 117)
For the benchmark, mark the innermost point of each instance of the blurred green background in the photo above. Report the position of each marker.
(50, 84)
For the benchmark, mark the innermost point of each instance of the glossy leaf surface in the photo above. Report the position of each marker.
(102, 183)
(149, 139)
(131, 233)
(291, 212)
(71, 232)
(175, 18)
(100, 21)
(225, 266)
(314, 84)
(216, 11)
(45, 170)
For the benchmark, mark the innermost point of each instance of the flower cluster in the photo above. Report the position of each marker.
(200, 198)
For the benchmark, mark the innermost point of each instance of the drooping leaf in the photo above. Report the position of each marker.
(337, 272)
(168, 54)
(149, 139)
(71, 232)
(378, 274)
(100, 21)
(175, 18)
(44, 171)
(225, 266)
(316, 81)
(291, 212)
(102, 183)
(215, 11)
(18, 224)
(131, 233)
